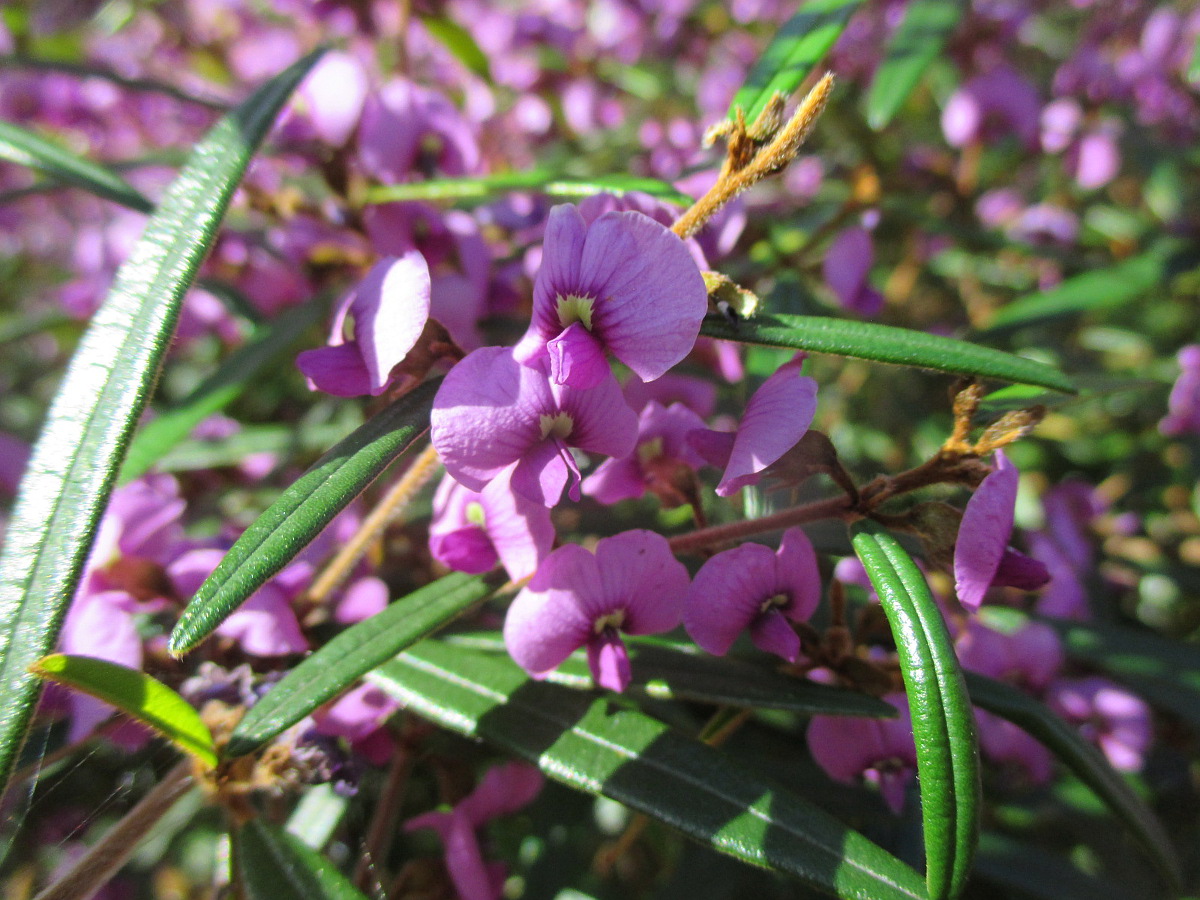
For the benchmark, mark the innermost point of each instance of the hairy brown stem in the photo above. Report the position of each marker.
(834, 507)
(101, 862)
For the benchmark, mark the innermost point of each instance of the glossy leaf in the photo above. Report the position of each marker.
(1092, 291)
(668, 671)
(137, 695)
(25, 148)
(275, 865)
(1084, 760)
(111, 375)
(798, 46)
(459, 42)
(317, 816)
(353, 653)
(488, 186)
(218, 390)
(302, 512)
(598, 746)
(943, 720)
(887, 344)
(916, 43)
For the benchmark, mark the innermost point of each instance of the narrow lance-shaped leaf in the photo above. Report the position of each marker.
(887, 344)
(354, 653)
(795, 51)
(217, 391)
(301, 513)
(28, 149)
(942, 716)
(275, 865)
(487, 186)
(917, 42)
(1089, 292)
(598, 746)
(137, 695)
(110, 378)
(1088, 764)
(459, 41)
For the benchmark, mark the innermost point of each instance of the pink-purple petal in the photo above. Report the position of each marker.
(639, 573)
(577, 358)
(726, 595)
(337, 369)
(983, 534)
(776, 417)
(390, 308)
(772, 633)
(608, 661)
(550, 619)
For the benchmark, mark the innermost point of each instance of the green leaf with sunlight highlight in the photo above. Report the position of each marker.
(137, 695)
(942, 716)
(106, 387)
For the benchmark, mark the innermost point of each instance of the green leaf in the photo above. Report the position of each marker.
(1090, 292)
(107, 384)
(354, 653)
(302, 512)
(28, 149)
(796, 49)
(669, 671)
(218, 390)
(1084, 760)
(274, 865)
(1031, 872)
(918, 40)
(190, 455)
(485, 187)
(136, 694)
(598, 746)
(459, 42)
(943, 720)
(317, 816)
(884, 343)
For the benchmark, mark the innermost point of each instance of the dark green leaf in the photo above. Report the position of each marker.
(218, 390)
(485, 187)
(190, 455)
(1092, 291)
(1029, 871)
(669, 671)
(884, 343)
(274, 865)
(943, 720)
(458, 41)
(354, 653)
(136, 694)
(796, 49)
(916, 43)
(302, 512)
(598, 746)
(78, 455)
(28, 149)
(1088, 764)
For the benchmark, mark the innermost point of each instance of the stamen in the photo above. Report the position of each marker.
(573, 308)
(559, 425)
(475, 515)
(613, 620)
(776, 600)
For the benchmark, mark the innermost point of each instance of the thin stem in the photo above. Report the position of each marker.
(401, 494)
(834, 507)
(382, 818)
(103, 860)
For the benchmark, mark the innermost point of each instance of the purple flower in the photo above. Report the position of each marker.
(504, 790)
(472, 529)
(752, 587)
(1029, 656)
(982, 557)
(1113, 718)
(1000, 741)
(662, 453)
(408, 130)
(576, 599)
(492, 412)
(997, 102)
(359, 716)
(390, 308)
(880, 750)
(623, 283)
(776, 417)
(846, 267)
(1183, 406)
